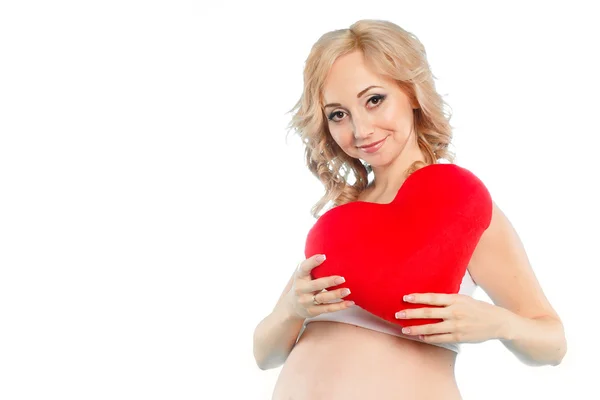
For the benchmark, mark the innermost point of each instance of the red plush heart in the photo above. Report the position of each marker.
(421, 242)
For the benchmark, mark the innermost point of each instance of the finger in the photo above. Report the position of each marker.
(325, 297)
(442, 338)
(324, 283)
(304, 268)
(326, 308)
(425, 313)
(434, 299)
(430, 329)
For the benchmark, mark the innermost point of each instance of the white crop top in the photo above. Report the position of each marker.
(356, 315)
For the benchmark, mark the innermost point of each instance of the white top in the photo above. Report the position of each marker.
(358, 316)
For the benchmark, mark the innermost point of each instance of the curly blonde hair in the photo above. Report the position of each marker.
(391, 52)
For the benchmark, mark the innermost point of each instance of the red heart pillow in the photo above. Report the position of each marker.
(421, 242)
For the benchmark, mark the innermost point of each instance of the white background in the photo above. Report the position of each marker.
(151, 210)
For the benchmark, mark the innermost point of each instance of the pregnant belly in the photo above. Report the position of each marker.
(334, 361)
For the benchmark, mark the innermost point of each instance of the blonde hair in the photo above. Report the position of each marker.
(391, 52)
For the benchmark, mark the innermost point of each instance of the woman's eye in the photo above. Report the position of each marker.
(378, 98)
(333, 114)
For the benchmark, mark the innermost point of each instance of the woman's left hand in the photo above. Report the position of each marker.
(465, 319)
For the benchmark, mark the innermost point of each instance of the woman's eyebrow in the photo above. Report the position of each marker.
(357, 96)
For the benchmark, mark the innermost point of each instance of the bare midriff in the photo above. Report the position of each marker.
(338, 361)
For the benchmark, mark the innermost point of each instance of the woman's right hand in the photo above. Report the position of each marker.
(305, 291)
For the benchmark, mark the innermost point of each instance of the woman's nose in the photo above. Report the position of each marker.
(363, 128)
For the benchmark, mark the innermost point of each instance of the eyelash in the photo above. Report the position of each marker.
(379, 97)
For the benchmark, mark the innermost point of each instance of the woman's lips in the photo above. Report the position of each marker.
(374, 147)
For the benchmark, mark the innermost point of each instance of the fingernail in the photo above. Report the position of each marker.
(339, 281)
(401, 314)
(321, 258)
(409, 298)
(350, 303)
(345, 292)
(405, 330)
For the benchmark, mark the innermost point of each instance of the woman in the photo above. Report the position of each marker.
(370, 105)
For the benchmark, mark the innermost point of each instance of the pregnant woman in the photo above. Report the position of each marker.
(384, 298)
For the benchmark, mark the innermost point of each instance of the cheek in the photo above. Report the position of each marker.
(392, 118)
(400, 124)
(341, 135)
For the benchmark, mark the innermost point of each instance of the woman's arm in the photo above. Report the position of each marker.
(500, 266)
(535, 341)
(275, 336)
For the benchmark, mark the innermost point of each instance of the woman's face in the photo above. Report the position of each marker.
(364, 108)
